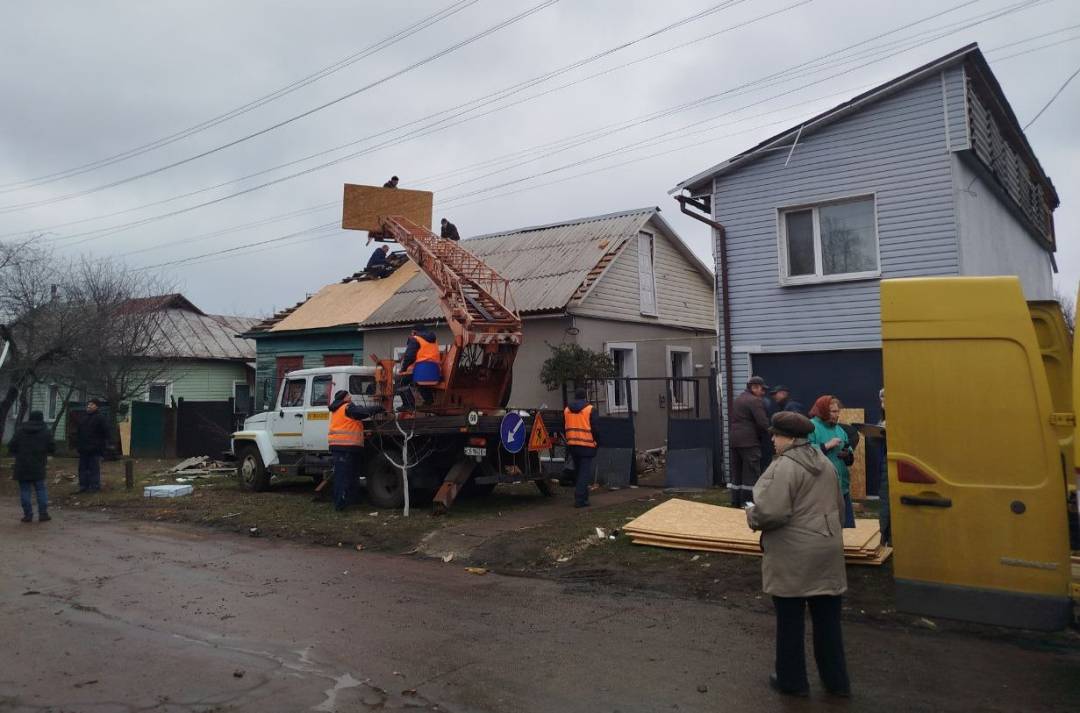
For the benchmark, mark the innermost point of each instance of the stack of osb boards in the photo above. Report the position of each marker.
(686, 525)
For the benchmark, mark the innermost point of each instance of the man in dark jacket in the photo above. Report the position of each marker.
(31, 446)
(779, 399)
(346, 439)
(748, 426)
(448, 230)
(91, 439)
(579, 427)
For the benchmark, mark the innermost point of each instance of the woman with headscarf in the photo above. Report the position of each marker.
(833, 441)
(797, 506)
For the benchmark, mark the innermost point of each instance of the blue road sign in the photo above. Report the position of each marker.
(512, 432)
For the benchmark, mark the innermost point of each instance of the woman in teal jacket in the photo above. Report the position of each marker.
(833, 442)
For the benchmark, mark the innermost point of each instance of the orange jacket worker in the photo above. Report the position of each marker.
(579, 427)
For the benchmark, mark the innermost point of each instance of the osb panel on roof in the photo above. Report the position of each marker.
(364, 206)
(346, 303)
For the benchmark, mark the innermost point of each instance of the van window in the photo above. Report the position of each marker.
(321, 386)
(361, 385)
(293, 395)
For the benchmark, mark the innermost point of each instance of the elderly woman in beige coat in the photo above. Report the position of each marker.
(798, 508)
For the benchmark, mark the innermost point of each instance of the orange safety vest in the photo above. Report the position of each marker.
(577, 427)
(345, 431)
(429, 351)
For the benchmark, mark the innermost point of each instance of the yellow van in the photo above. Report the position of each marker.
(980, 436)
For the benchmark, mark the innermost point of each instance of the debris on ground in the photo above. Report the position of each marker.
(167, 491)
(651, 460)
(359, 548)
(476, 570)
(254, 532)
(198, 467)
(448, 556)
(238, 673)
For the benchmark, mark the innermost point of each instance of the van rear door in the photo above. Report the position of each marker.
(975, 467)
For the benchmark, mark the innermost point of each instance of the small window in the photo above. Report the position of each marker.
(54, 402)
(293, 395)
(159, 392)
(361, 385)
(831, 241)
(321, 386)
(241, 397)
(681, 370)
(647, 273)
(624, 356)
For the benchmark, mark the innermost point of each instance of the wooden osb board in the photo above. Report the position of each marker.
(364, 206)
(857, 470)
(684, 519)
(346, 302)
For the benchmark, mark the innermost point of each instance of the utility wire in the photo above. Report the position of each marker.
(368, 51)
(296, 117)
(1056, 95)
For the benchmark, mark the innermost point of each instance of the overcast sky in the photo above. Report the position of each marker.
(84, 81)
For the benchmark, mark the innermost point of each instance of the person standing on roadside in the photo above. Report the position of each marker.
(833, 441)
(31, 446)
(748, 426)
(579, 426)
(797, 508)
(779, 399)
(91, 439)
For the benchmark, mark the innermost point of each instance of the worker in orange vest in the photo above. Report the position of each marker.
(346, 438)
(420, 365)
(579, 429)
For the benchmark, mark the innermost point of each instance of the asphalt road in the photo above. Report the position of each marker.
(107, 615)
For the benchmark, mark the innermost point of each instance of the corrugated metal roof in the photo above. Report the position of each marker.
(185, 334)
(544, 264)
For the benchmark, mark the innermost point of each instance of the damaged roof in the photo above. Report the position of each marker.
(186, 332)
(545, 264)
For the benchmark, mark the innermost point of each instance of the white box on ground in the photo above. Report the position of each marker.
(167, 491)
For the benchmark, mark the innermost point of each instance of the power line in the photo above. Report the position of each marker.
(296, 117)
(368, 51)
(1056, 95)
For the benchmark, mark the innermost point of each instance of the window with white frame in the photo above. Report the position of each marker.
(647, 273)
(54, 403)
(624, 356)
(830, 241)
(680, 368)
(159, 392)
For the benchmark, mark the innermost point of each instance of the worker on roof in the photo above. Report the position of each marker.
(448, 230)
(420, 365)
(346, 438)
(579, 427)
(392, 183)
(377, 264)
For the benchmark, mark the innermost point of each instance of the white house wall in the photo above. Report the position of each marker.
(993, 242)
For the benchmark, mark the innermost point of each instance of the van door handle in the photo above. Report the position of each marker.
(298, 415)
(928, 502)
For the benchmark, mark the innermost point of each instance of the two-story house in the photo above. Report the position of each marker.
(926, 174)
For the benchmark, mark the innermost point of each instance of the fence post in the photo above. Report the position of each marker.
(129, 474)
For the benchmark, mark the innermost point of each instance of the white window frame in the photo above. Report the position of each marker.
(52, 406)
(631, 347)
(819, 276)
(655, 312)
(672, 403)
(168, 391)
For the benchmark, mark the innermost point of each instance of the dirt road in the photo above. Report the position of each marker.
(108, 615)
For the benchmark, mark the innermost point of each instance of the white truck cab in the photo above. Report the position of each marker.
(291, 438)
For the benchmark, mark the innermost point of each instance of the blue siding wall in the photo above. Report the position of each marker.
(895, 149)
(312, 347)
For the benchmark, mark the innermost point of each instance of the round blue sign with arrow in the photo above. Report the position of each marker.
(512, 432)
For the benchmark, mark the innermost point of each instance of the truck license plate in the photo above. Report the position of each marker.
(478, 451)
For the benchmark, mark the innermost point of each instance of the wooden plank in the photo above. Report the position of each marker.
(871, 559)
(364, 207)
(857, 470)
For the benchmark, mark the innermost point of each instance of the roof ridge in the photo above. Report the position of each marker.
(564, 223)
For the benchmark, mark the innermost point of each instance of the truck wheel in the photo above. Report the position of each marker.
(384, 486)
(251, 470)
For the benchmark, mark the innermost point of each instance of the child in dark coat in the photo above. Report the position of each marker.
(31, 446)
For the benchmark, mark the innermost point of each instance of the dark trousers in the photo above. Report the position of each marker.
(583, 462)
(745, 469)
(791, 645)
(89, 472)
(405, 390)
(345, 460)
(849, 512)
(884, 516)
(27, 488)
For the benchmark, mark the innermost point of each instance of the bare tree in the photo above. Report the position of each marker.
(409, 454)
(1068, 307)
